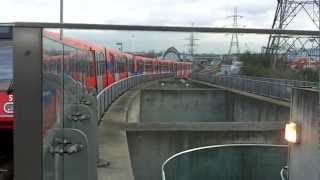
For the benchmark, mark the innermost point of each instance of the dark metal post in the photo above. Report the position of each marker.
(27, 77)
(61, 19)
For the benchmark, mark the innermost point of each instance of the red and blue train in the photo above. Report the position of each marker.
(94, 66)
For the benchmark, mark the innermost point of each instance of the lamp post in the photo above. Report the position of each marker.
(121, 45)
(132, 42)
(61, 19)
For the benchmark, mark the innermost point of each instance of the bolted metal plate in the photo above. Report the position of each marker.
(65, 153)
(84, 118)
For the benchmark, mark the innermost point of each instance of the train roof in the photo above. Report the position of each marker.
(75, 43)
(80, 44)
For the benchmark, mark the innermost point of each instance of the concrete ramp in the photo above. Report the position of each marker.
(150, 123)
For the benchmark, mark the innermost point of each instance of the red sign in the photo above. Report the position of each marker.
(6, 110)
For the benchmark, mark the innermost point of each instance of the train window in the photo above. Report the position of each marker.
(116, 64)
(110, 63)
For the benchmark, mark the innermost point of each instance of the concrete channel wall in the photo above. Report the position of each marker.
(149, 149)
(241, 108)
(165, 121)
(205, 105)
(182, 105)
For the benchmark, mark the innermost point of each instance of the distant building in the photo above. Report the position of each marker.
(233, 69)
(309, 54)
(304, 58)
(225, 69)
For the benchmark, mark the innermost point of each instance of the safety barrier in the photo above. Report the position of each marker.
(109, 94)
(279, 89)
(295, 83)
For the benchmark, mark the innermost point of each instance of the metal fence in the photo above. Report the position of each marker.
(279, 89)
(281, 81)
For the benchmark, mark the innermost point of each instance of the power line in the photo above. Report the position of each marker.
(287, 10)
(234, 43)
(192, 43)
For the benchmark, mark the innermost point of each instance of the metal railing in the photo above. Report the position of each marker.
(229, 161)
(112, 92)
(265, 87)
(295, 83)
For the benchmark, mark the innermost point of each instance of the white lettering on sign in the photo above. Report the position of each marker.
(10, 98)
(8, 107)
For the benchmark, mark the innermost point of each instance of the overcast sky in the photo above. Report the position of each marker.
(256, 14)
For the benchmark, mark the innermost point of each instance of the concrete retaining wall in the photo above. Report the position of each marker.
(182, 105)
(243, 109)
(205, 105)
(148, 150)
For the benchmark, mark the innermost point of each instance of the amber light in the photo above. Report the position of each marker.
(292, 132)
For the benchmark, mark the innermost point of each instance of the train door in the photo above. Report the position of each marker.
(126, 66)
(178, 69)
(83, 67)
(123, 67)
(116, 67)
(146, 68)
(155, 66)
(159, 67)
(105, 69)
(135, 65)
(139, 63)
(99, 70)
(142, 66)
(91, 79)
(130, 66)
(110, 68)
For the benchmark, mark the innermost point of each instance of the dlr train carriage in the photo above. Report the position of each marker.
(104, 66)
(97, 67)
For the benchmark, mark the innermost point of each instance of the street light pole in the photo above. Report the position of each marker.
(121, 45)
(132, 42)
(61, 19)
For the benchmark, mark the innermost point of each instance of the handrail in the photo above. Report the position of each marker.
(264, 88)
(114, 83)
(258, 80)
(125, 79)
(106, 96)
(268, 79)
(212, 147)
